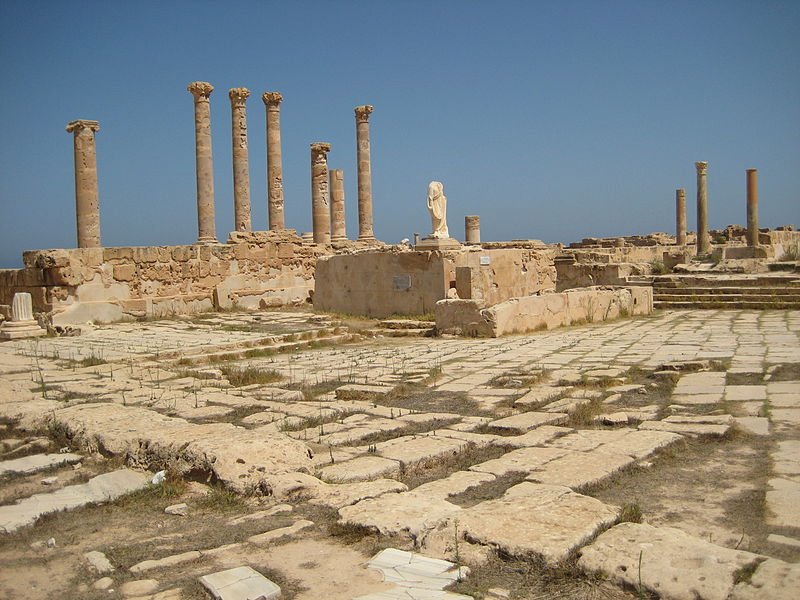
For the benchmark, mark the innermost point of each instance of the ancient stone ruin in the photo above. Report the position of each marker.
(270, 413)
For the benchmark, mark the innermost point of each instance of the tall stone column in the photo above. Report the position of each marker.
(320, 193)
(241, 165)
(365, 231)
(338, 226)
(472, 229)
(272, 101)
(206, 226)
(87, 198)
(680, 216)
(703, 243)
(752, 207)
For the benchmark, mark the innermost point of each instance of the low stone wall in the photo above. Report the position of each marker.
(548, 311)
(394, 281)
(255, 269)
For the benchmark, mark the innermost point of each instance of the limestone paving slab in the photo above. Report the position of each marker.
(524, 460)
(526, 421)
(36, 462)
(783, 502)
(339, 495)
(686, 428)
(547, 520)
(361, 468)
(579, 469)
(773, 579)
(675, 565)
(411, 449)
(102, 488)
(240, 583)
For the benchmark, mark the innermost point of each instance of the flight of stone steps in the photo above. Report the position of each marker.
(763, 291)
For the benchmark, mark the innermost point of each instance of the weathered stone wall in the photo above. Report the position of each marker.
(381, 283)
(533, 313)
(108, 284)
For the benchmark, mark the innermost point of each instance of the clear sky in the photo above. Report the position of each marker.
(551, 120)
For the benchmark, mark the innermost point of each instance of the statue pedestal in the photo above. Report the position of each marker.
(431, 243)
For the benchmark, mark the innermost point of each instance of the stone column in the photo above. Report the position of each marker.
(87, 198)
(752, 207)
(338, 226)
(272, 101)
(472, 226)
(703, 243)
(680, 216)
(206, 226)
(22, 323)
(241, 165)
(320, 194)
(365, 231)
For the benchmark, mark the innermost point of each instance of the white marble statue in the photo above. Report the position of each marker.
(437, 206)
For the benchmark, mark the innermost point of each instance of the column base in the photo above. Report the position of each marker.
(339, 238)
(207, 240)
(13, 330)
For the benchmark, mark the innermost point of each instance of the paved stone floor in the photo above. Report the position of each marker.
(595, 449)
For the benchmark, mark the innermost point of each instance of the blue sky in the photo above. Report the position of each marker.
(550, 120)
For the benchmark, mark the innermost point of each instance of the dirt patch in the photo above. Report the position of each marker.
(712, 488)
(786, 372)
(421, 398)
(487, 491)
(443, 466)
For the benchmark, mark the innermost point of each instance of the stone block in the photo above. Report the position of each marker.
(124, 272)
(112, 254)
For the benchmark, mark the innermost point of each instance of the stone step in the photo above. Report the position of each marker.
(756, 290)
(405, 324)
(103, 488)
(727, 305)
(387, 332)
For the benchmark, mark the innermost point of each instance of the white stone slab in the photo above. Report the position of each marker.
(529, 420)
(523, 460)
(579, 469)
(102, 488)
(36, 462)
(240, 583)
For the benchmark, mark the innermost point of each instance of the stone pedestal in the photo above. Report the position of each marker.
(272, 102)
(87, 198)
(206, 226)
(338, 225)
(703, 242)
(472, 229)
(22, 323)
(680, 216)
(431, 243)
(241, 165)
(320, 193)
(752, 208)
(365, 232)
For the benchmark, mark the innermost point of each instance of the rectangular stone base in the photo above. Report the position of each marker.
(10, 332)
(429, 243)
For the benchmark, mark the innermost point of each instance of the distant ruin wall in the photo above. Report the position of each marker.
(548, 311)
(382, 283)
(256, 269)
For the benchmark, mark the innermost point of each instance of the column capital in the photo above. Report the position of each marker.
(201, 90)
(701, 166)
(80, 124)
(363, 113)
(272, 99)
(238, 96)
(320, 149)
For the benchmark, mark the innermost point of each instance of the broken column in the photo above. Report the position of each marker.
(703, 242)
(472, 227)
(680, 216)
(752, 207)
(338, 226)
(206, 227)
(365, 232)
(272, 101)
(320, 204)
(241, 166)
(87, 198)
(22, 323)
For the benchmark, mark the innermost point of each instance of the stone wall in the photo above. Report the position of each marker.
(254, 269)
(381, 283)
(548, 311)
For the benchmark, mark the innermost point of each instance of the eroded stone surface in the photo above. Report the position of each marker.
(240, 583)
(674, 564)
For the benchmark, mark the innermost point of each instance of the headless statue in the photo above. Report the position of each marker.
(437, 207)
